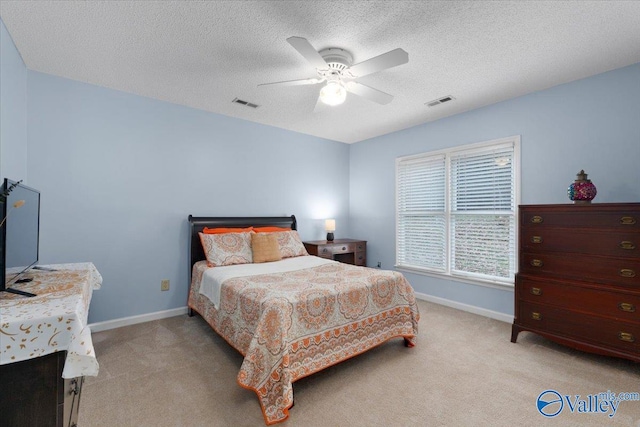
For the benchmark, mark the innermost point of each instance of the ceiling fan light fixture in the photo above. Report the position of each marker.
(333, 93)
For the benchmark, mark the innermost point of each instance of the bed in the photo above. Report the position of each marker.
(294, 317)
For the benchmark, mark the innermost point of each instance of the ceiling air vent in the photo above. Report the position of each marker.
(248, 104)
(439, 101)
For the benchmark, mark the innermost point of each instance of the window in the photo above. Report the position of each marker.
(456, 211)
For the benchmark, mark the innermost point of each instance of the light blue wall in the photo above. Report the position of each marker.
(13, 110)
(120, 173)
(591, 124)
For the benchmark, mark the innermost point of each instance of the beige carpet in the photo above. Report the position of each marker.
(463, 372)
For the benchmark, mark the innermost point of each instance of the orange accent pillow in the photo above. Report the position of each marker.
(265, 247)
(270, 229)
(223, 230)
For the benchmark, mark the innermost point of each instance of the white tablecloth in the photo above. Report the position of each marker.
(54, 320)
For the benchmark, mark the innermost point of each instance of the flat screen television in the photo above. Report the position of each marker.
(19, 235)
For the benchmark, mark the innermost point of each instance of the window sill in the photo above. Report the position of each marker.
(468, 280)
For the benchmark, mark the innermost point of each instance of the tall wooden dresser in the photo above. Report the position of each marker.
(579, 276)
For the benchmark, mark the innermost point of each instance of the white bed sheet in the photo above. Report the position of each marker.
(214, 277)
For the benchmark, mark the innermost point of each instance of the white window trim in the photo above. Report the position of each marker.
(448, 152)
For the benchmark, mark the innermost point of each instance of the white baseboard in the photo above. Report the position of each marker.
(126, 321)
(466, 307)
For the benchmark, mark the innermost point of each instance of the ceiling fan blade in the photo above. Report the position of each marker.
(294, 82)
(369, 93)
(381, 62)
(305, 49)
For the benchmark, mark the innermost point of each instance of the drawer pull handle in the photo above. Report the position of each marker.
(627, 220)
(537, 316)
(625, 244)
(324, 251)
(625, 306)
(75, 387)
(536, 291)
(627, 272)
(536, 219)
(536, 239)
(344, 248)
(626, 337)
(537, 262)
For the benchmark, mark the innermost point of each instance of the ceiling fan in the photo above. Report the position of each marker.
(333, 66)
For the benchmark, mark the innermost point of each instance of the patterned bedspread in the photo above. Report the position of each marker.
(290, 325)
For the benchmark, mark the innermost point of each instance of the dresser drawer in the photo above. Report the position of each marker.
(324, 252)
(616, 334)
(612, 271)
(71, 402)
(361, 258)
(609, 217)
(337, 249)
(618, 243)
(605, 303)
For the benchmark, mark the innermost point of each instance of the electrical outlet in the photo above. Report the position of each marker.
(164, 285)
(379, 264)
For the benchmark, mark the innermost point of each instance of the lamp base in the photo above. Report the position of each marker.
(329, 237)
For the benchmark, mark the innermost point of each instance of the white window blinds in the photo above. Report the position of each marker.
(456, 211)
(421, 221)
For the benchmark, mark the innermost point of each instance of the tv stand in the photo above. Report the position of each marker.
(34, 394)
(41, 268)
(18, 292)
(17, 279)
(41, 379)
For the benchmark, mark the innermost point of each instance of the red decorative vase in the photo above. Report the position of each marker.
(582, 190)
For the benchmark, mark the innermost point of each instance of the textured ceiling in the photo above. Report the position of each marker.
(205, 54)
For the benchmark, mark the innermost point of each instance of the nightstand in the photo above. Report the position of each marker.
(349, 251)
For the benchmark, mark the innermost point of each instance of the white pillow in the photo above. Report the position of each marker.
(227, 248)
(290, 244)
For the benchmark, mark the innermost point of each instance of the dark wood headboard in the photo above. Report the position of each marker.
(198, 223)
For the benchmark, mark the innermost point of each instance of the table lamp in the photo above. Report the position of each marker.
(330, 227)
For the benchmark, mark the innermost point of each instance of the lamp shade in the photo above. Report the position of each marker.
(333, 93)
(330, 225)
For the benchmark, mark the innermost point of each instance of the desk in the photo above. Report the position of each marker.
(38, 336)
